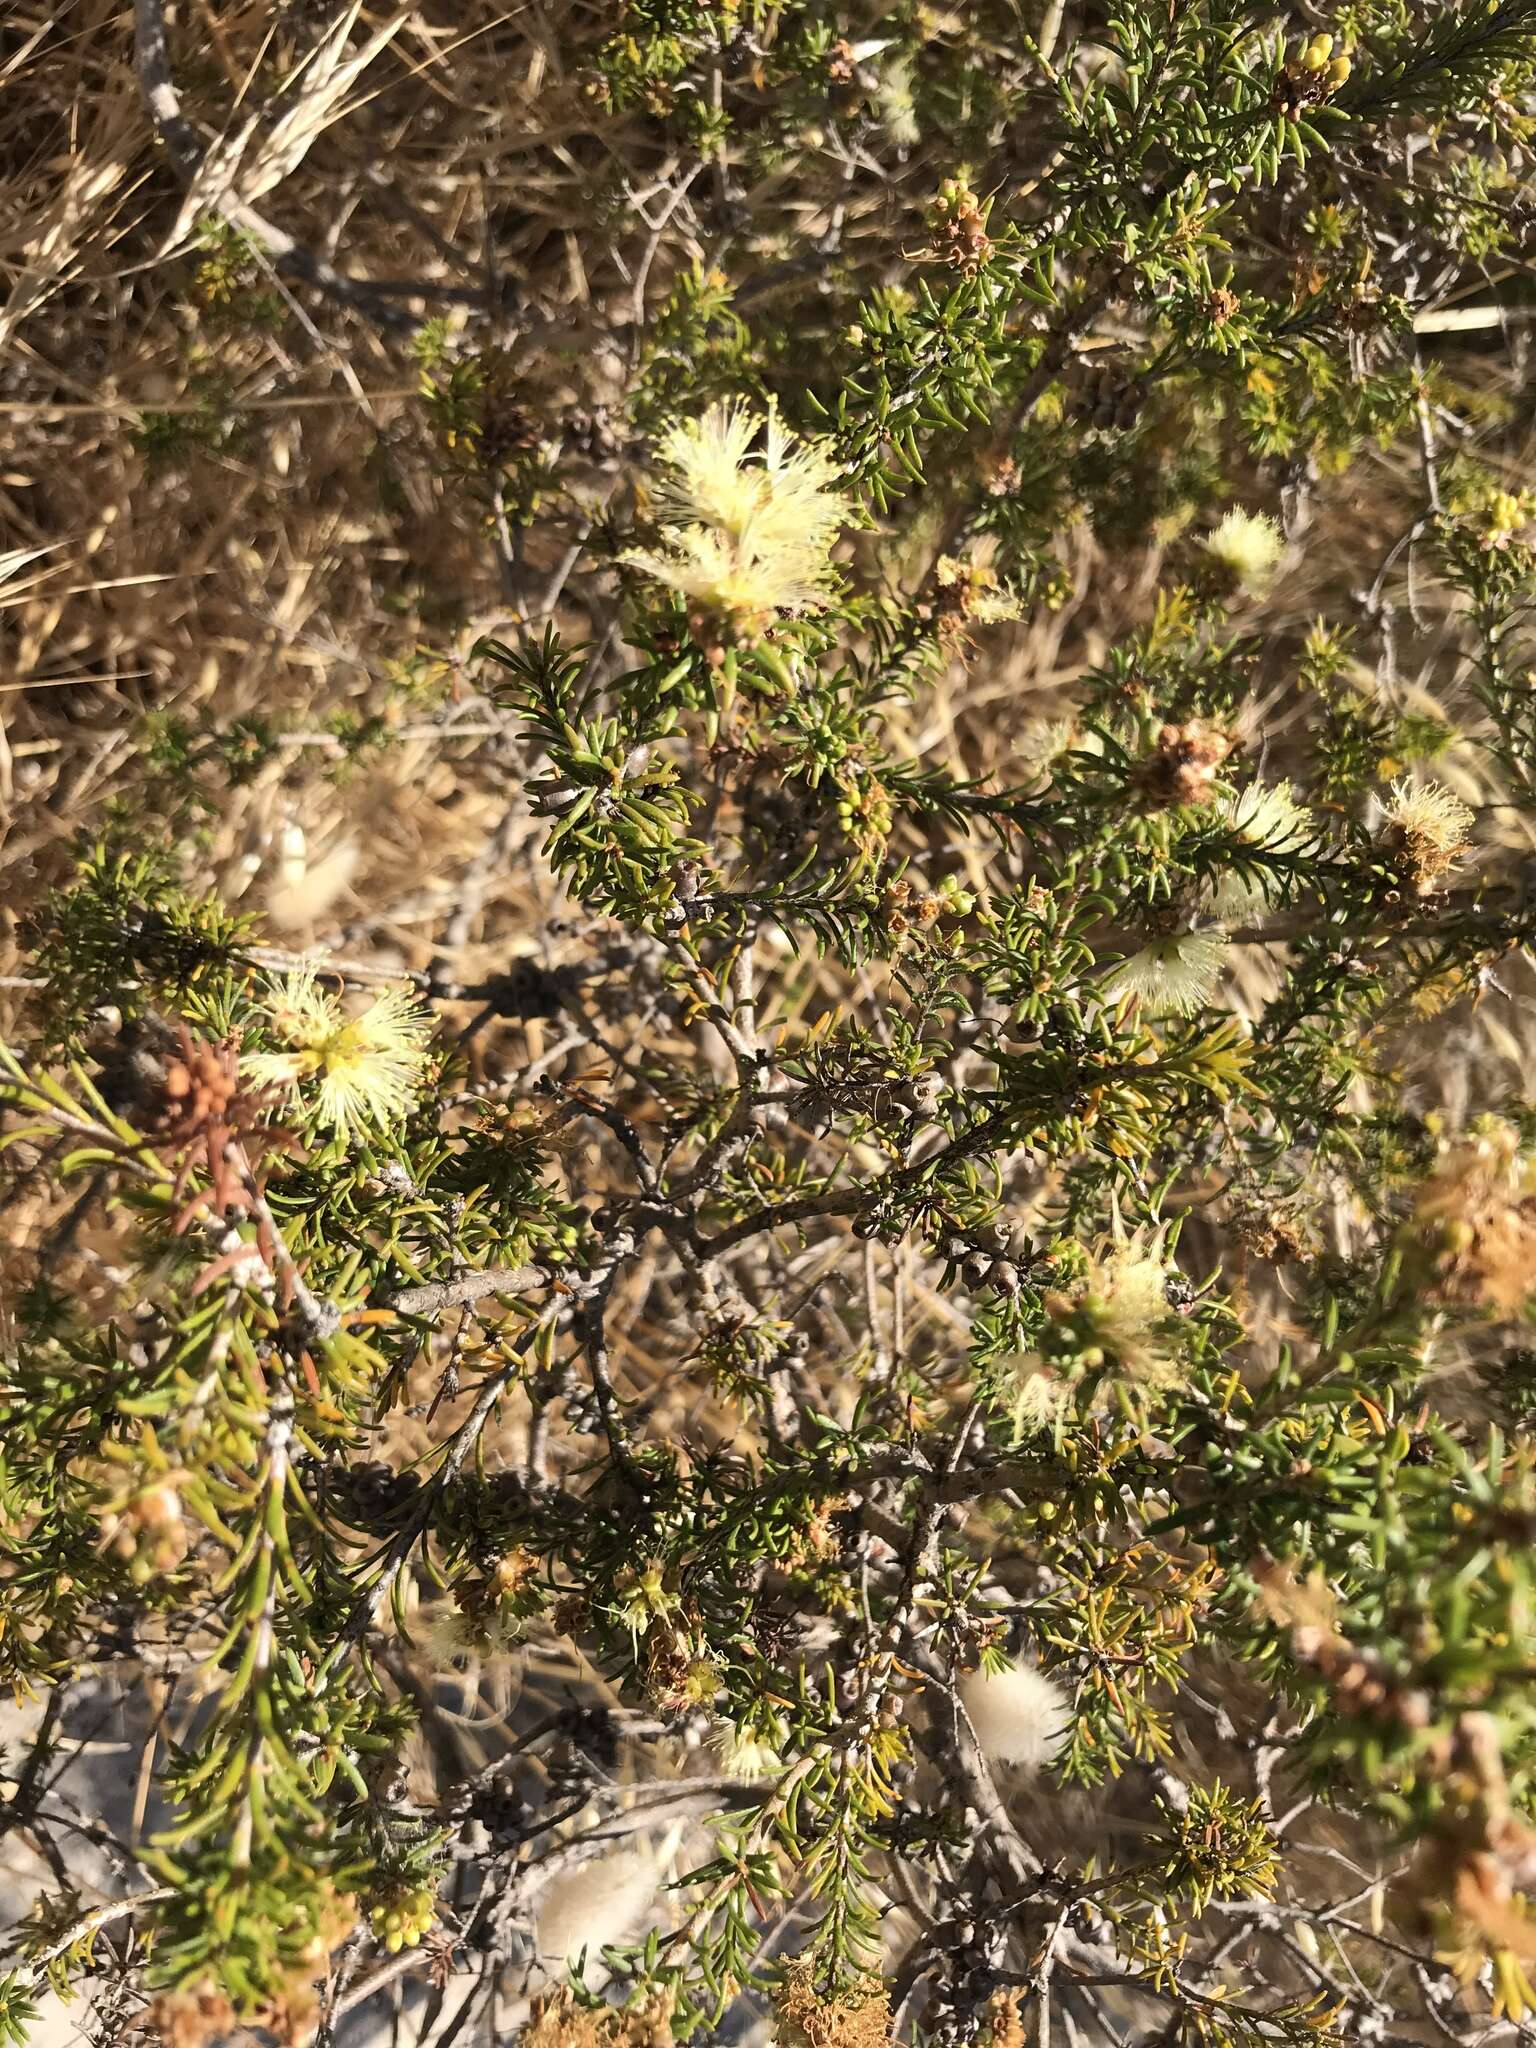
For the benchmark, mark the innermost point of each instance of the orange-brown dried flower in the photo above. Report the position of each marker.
(200, 1114)
(557, 2021)
(1005, 2021)
(1361, 1683)
(841, 62)
(859, 2017)
(1269, 1234)
(960, 235)
(1184, 763)
(190, 2019)
(148, 1532)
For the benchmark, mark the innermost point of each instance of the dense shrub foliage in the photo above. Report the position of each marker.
(1065, 1567)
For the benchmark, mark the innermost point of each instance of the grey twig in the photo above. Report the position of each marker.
(435, 1295)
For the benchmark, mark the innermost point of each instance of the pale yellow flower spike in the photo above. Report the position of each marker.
(1248, 545)
(1126, 1292)
(1172, 977)
(355, 1073)
(1432, 827)
(1265, 815)
(744, 534)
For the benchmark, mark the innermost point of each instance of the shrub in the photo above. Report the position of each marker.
(1070, 1562)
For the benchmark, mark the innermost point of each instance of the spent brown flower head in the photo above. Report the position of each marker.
(806, 2017)
(960, 236)
(557, 2021)
(1471, 1239)
(1184, 762)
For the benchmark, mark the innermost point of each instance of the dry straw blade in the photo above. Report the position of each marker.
(249, 161)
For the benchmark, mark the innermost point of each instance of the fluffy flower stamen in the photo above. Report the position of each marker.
(1021, 1717)
(1172, 977)
(1268, 817)
(1429, 830)
(746, 530)
(1120, 1319)
(1473, 1229)
(354, 1073)
(1248, 545)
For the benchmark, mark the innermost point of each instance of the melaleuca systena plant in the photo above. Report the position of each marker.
(1070, 1571)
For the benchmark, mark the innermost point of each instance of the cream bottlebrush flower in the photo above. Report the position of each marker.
(1121, 1310)
(1429, 828)
(746, 532)
(1265, 815)
(1042, 742)
(355, 1073)
(448, 1633)
(1021, 1717)
(1038, 1394)
(597, 1905)
(1248, 545)
(970, 594)
(743, 1754)
(1172, 977)
(895, 108)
